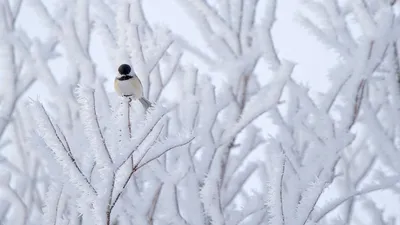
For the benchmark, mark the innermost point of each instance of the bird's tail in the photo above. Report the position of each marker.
(146, 103)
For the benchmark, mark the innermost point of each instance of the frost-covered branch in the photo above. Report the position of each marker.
(385, 185)
(371, 52)
(241, 140)
(51, 137)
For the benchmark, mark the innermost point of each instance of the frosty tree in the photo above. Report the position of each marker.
(206, 153)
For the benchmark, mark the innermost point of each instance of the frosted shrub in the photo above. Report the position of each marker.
(234, 139)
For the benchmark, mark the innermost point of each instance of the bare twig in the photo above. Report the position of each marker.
(150, 213)
(357, 104)
(71, 157)
(140, 141)
(371, 188)
(96, 119)
(138, 166)
(281, 190)
(129, 117)
(148, 149)
(57, 206)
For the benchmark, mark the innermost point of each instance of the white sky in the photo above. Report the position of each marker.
(310, 56)
(302, 49)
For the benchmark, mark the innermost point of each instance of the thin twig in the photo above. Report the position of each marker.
(150, 213)
(281, 190)
(167, 150)
(129, 117)
(148, 149)
(123, 188)
(140, 142)
(371, 188)
(58, 206)
(69, 155)
(357, 105)
(91, 171)
(137, 167)
(103, 140)
(158, 57)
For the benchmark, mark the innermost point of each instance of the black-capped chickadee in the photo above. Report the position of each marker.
(127, 84)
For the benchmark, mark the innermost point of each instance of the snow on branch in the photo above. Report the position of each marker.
(357, 92)
(21, 212)
(220, 145)
(146, 145)
(87, 101)
(47, 131)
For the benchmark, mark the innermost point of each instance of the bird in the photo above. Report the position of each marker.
(127, 84)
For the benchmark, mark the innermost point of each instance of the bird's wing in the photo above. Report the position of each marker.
(116, 87)
(137, 87)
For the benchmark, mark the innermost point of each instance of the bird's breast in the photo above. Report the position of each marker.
(131, 87)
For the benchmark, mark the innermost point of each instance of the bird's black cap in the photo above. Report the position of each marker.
(124, 69)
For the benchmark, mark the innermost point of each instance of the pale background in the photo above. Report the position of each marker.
(314, 60)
